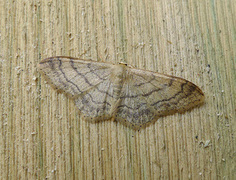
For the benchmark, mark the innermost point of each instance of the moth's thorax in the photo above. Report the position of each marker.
(118, 71)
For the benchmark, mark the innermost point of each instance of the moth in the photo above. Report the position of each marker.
(103, 91)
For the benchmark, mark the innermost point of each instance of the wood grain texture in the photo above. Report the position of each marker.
(42, 134)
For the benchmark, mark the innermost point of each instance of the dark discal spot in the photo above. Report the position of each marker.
(51, 63)
(171, 81)
(84, 101)
(192, 88)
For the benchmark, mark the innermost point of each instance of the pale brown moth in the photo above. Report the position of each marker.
(103, 91)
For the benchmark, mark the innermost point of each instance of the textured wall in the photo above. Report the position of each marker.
(42, 134)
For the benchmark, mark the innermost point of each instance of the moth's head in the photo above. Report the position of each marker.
(123, 63)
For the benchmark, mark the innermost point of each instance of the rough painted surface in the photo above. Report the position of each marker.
(41, 132)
